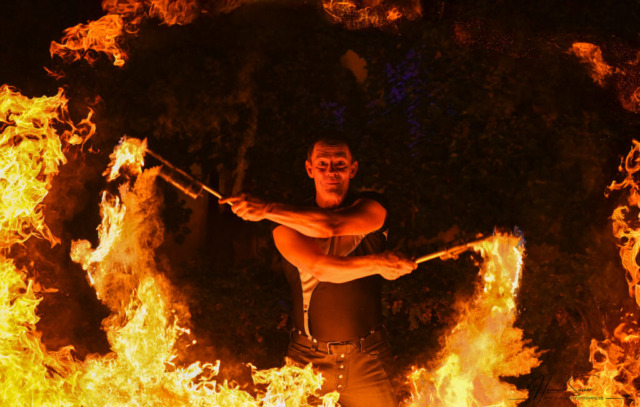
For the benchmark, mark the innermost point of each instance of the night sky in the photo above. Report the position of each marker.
(473, 116)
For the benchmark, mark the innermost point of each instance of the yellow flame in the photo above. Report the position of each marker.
(30, 375)
(30, 155)
(130, 153)
(484, 345)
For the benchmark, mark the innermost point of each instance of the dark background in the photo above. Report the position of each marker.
(472, 117)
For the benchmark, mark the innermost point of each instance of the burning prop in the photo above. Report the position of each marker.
(616, 361)
(484, 345)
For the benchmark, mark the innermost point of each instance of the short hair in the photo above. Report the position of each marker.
(333, 141)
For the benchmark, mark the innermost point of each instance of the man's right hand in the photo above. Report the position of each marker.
(392, 265)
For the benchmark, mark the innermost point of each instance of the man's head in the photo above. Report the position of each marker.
(331, 165)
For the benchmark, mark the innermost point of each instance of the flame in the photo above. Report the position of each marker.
(147, 329)
(130, 153)
(615, 366)
(31, 376)
(83, 40)
(106, 35)
(625, 78)
(33, 132)
(629, 237)
(615, 361)
(30, 155)
(146, 326)
(354, 16)
(592, 55)
(484, 345)
(174, 11)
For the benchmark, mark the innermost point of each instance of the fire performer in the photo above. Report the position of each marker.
(334, 261)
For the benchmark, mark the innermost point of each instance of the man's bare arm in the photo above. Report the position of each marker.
(304, 253)
(364, 216)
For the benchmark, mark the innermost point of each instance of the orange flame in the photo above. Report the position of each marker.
(124, 16)
(354, 16)
(484, 345)
(628, 236)
(592, 55)
(615, 366)
(615, 361)
(81, 41)
(625, 79)
(174, 11)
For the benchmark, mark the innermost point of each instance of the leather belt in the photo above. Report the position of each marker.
(374, 336)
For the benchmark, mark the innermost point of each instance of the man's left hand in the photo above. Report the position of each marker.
(247, 207)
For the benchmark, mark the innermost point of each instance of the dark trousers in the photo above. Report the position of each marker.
(361, 371)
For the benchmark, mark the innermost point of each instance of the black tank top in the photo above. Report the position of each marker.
(339, 312)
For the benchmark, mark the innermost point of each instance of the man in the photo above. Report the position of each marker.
(334, 262)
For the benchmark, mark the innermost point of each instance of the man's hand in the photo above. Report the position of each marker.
(247, 207)
(392, 265)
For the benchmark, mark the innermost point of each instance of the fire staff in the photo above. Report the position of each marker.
(334, 260)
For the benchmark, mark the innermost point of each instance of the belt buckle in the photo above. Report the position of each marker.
(334, 343)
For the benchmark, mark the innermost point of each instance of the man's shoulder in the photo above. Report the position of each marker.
(373, 195)
(380, 198)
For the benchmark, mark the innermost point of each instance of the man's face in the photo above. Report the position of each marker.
(331, 168)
